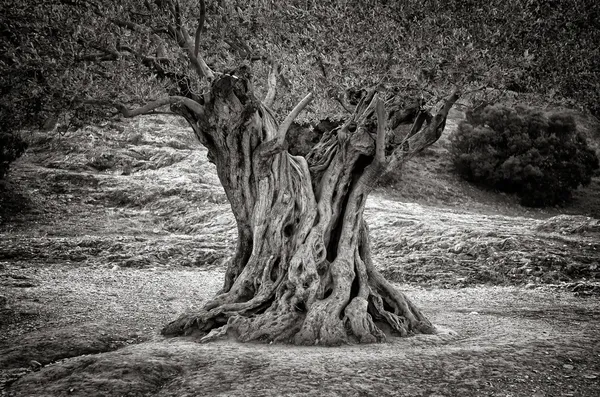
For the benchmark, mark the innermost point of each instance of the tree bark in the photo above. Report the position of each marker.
(302, 272)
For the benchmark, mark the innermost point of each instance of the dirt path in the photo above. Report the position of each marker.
(107, 235)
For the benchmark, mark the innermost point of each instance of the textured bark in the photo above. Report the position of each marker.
(302, 272)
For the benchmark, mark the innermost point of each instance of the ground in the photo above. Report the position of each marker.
(108, 233)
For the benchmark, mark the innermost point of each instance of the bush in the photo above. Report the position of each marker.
(540, 158)
(11, 147)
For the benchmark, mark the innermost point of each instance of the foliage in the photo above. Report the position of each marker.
(56, 54)
(541, 158)
(11, 148)
(549, 48)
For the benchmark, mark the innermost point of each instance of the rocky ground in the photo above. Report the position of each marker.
(108, 233)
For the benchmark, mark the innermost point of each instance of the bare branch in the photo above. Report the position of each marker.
(184, 40)
(319, 58)
(421, 117)
(176, 10)
(198, 62)
(238, 45)
(448, 103)
(272, 83)
(373, 172)
(201, 18)
(102, 57)
(283, 128)
(134, 27)
(381, 126)
(150, 107)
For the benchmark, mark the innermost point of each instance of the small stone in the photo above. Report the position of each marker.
(530, 286)
(35, 364)
(568, 367)
(473, 313)
(457, 249)
(589, 376)
(115, 267)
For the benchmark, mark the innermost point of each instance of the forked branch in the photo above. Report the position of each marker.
(275, 145)
(185, 41)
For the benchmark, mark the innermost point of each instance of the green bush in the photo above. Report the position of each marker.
(11, 147)
(540, 158)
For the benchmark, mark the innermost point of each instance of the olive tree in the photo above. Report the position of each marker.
(302, 271)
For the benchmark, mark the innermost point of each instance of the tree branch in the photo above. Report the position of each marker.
(149, 108)
(198, 62)
(421, 117)
(381, 127)
(272, 83)
(128, 25)
(339, 100)
(417, 141)
(271, 147)
(283, 128)
(201, 18)
(185, 42)
(449, 102)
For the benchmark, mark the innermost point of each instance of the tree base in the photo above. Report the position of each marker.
(374, 312)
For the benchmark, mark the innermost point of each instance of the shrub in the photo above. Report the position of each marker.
(11, 147)
(540, 158)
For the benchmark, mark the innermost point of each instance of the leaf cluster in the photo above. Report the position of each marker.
(540, 158)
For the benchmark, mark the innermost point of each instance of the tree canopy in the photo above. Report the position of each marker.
(54, 55)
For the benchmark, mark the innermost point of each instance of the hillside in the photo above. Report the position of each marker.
(94, 196)
(109, 232)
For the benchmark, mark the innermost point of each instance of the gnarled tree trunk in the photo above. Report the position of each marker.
(302, 271)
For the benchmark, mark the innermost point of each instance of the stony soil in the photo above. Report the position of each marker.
(108, 233)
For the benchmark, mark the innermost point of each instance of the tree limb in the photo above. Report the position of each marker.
(183, 39)
(201, 18)
(339, 100)
(154, 64)
(129, 25)
(271, 147)
(198, 62)
(381, 126)
(283, 128)
(421, 117)
(149, 108)
(417, 141)
(185, 42)
(272, 83)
